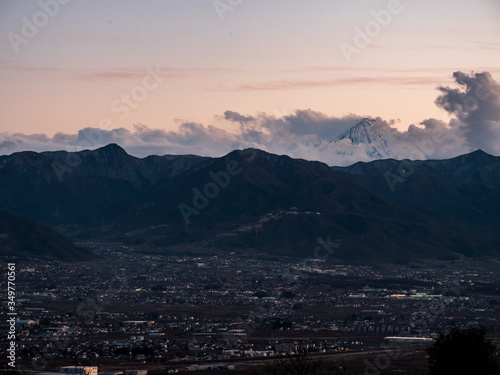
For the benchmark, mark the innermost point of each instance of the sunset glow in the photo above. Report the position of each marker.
(89, 64)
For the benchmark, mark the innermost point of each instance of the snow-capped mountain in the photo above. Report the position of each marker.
(363, 133)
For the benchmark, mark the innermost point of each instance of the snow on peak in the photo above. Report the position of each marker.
(363, 133)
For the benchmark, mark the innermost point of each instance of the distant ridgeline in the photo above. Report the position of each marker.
(250, 200)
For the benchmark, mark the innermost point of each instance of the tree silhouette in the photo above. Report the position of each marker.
(463, 352)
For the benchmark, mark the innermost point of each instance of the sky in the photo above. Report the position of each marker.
(206, 76)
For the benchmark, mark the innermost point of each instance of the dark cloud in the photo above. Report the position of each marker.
(235, 116)
(477, 97)
(476, 105)
(7, 146)
(308, 122)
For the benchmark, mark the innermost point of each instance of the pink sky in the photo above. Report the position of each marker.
(89, 64)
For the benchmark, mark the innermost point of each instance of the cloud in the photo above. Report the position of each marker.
(306, 134)
(7, 146)
(235, 116)
(297, 85)
(111, 73)
(474, 105)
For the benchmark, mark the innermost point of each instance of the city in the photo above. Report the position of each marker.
(130, 310)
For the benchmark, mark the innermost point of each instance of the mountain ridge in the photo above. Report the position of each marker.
(112, 196)
(467, 186)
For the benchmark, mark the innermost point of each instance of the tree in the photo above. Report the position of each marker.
(463, 352)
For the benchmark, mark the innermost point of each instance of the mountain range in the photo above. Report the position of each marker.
(257, 203)
(467, 187)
